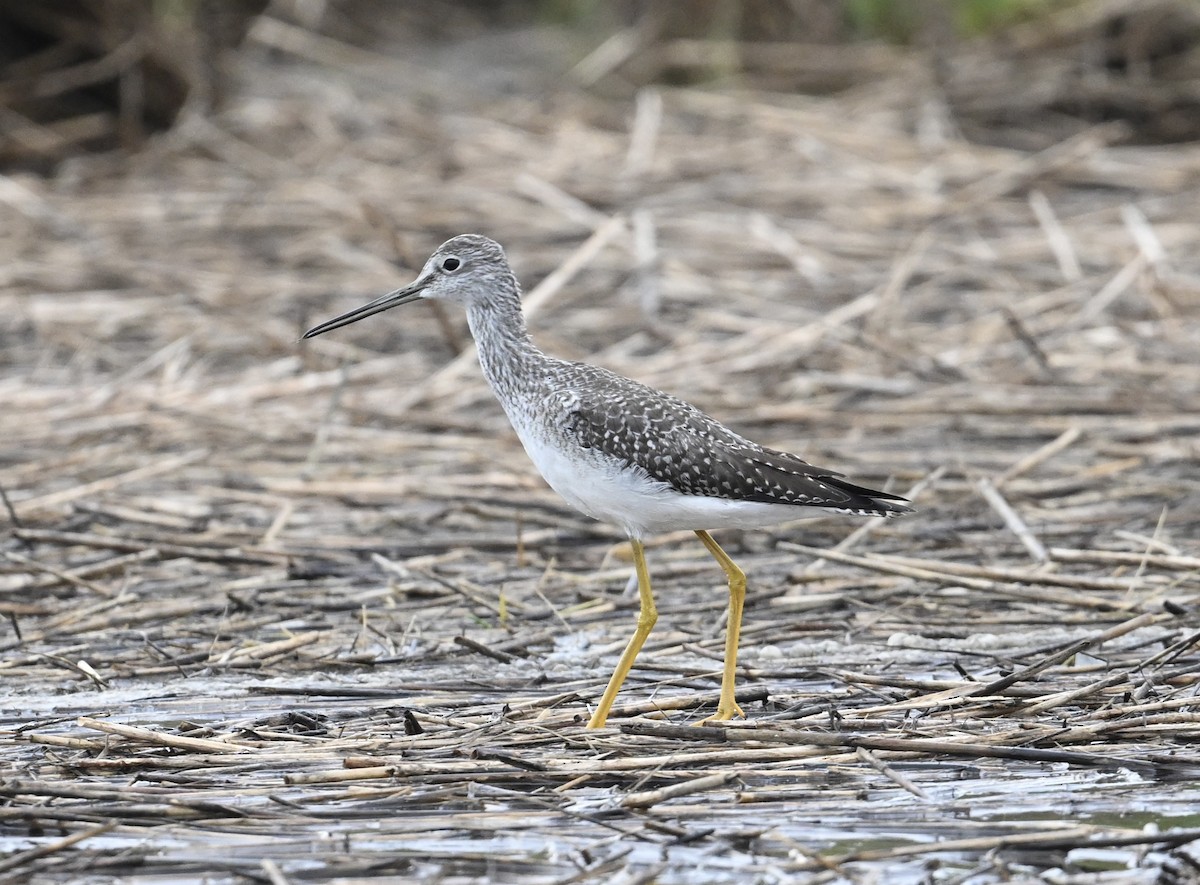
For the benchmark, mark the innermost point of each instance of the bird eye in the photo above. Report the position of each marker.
(451, 264)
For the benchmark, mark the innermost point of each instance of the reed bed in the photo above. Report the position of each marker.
(289, 612)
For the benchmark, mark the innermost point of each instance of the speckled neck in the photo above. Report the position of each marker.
(506, 352)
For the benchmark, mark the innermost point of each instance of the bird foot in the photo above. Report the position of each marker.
(725, 712)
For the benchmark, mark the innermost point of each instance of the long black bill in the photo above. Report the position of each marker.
(385, 302)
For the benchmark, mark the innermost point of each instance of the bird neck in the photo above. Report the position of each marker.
(506, 351)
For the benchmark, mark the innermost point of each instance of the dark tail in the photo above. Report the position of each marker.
(868, 500)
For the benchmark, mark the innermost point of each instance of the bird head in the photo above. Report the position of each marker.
(463, 270)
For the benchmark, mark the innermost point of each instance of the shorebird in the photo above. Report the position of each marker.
(620, 451)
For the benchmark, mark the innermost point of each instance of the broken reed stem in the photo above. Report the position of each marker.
(150, 736)
(1012, 519)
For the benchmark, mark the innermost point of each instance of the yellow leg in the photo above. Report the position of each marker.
(647, 615)
(727, 707)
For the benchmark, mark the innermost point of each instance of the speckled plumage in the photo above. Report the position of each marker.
(597, 436)
(676, 443)
(620, 451)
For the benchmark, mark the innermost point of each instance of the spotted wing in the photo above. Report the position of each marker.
(783, 478)
(677, 444)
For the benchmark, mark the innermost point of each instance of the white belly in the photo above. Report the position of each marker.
(630, 498)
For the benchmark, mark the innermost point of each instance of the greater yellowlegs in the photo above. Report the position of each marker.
(623, 452)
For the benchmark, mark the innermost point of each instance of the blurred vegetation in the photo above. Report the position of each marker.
(174, 10)
(903, 21)
(895, 21)
(80, 75)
